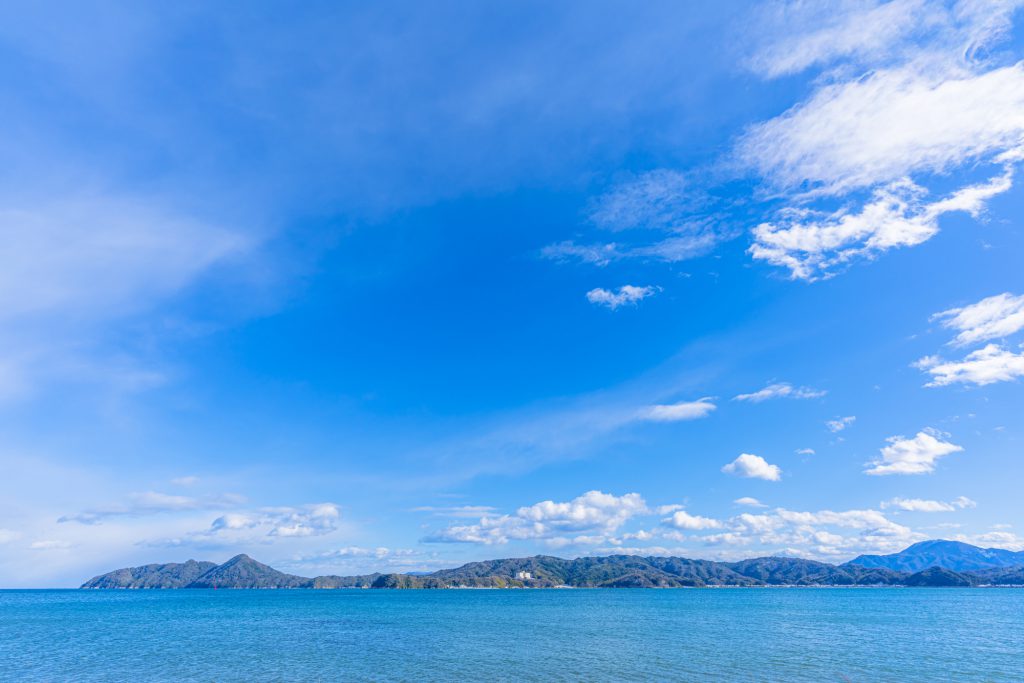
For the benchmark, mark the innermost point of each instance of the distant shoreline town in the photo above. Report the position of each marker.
(927, 564)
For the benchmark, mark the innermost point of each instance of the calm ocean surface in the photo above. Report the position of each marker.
(541, 635)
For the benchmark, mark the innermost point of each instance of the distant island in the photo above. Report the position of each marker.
(929, 563)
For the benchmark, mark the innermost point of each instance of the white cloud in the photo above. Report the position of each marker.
(920, 505)
(834, 30)
(594, 512)
(683, 520)
(311, 520)
(840, 423)
(986, 365)
(49, 545)
(657, 200)
(9, 535)
(995, 317)
(351, 560)
(456, 510)
(824, 534)
(70, 267)
(753, 467)
(596, 254)
(669, 250)
(627, 294)
(780, 390)
(263, 525)
(153, 502)
(963, 502)
(919, 92)
(812, 244)
(749, 502)
(996, 539)
(805, 451)
(912, 456)
(991, 318)
(101, 255)
(359, 551)
(661, 201)
(675, 412)
(892, 123)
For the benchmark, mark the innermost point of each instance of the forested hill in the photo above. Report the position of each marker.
(616, 571)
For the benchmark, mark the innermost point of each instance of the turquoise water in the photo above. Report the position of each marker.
(542, 635)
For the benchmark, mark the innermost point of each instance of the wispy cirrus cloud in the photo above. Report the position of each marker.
(661, 215)
(676, 412)
(153, 502)
(824, 32)
(987, 365)
(456, 510)
(995, 317)
(780, 390)
(916, 91)
(73, 266)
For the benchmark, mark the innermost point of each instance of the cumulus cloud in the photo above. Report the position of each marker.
(627, 294)
(987, 365)
(840, 423)
(998, 539)
(749, 502)
(805, 451)
(676, 412)
(912, 456)
(684, 520)
(780, 390)
(994, 317)
(594, 514)
(753, 467)
(920, 505)
(825, 534)
(919, 93)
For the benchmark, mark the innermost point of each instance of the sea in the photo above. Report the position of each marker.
(737, 634)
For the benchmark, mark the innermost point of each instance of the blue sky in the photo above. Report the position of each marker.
(356, 288)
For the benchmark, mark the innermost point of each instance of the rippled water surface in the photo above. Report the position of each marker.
(547, 635)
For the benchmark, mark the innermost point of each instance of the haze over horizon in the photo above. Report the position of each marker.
(398, 287)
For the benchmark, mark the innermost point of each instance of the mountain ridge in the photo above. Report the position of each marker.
(952, 555)
(612, 571)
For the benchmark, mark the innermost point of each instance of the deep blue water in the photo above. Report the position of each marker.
(786, 635)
